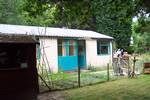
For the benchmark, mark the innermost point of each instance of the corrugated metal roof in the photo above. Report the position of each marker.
(49, 31)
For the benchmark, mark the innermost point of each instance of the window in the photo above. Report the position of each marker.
(81, 47)
(102, 47)
(66, 47)
(61, 47)
(72, 48)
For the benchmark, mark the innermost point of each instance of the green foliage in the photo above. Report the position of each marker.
(113, 17)
(9, 11)
(141, 28)
(141, 35)
(130, 49)
(77, 14)
(71, 14)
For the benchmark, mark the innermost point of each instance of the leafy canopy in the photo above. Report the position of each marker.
(111, 17)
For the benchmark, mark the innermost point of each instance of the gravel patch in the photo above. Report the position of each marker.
(50, 96)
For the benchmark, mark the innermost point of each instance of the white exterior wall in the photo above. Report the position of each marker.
(50, 48)
(92, 58)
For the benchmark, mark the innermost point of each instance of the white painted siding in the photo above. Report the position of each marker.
(92, 58)
(50, 47)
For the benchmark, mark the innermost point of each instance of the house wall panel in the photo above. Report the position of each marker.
(49, 51)
(92, 58)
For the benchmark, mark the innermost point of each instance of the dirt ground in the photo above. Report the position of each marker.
(50, 96)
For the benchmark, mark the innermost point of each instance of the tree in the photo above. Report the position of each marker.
(71, 14)
(141, 28)
(111, 17)
(141, 36)
(9, 12)
(114, 17)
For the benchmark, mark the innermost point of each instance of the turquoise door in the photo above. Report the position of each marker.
(67, 55)
(81, 54)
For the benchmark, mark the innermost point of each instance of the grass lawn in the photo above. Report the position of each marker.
(122, 89)
(70, 80)
(66, 80)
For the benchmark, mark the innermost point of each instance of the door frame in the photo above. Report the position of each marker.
(67, 62)
(84, 56)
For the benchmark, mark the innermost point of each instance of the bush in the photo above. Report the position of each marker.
(130, 49)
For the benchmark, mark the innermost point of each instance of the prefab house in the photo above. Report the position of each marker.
(68, 49)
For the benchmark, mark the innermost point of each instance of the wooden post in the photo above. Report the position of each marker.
(119, 65)
(79, 76)
(107, 72)
(78, 64)
(128, 67)
(133, 72)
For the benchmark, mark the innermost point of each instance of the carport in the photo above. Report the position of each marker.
(18, 73)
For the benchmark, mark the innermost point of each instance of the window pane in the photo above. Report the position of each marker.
(61, 48)
(64, 50)
(81, 47)
(72, 48)
(71, 42)
(104, 50)
(104, 42)
(80, 51)
(102, 47)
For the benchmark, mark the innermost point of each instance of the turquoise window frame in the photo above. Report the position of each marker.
(101, 43)
(67, 47)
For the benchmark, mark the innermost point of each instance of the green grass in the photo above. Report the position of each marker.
(122, 89)
(70, 80)
(63, 80)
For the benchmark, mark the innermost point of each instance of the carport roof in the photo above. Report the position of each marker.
(49, 31)
(17, 39)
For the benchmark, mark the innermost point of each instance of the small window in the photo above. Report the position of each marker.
(61, 48)
(72, 48)
(102, 47)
